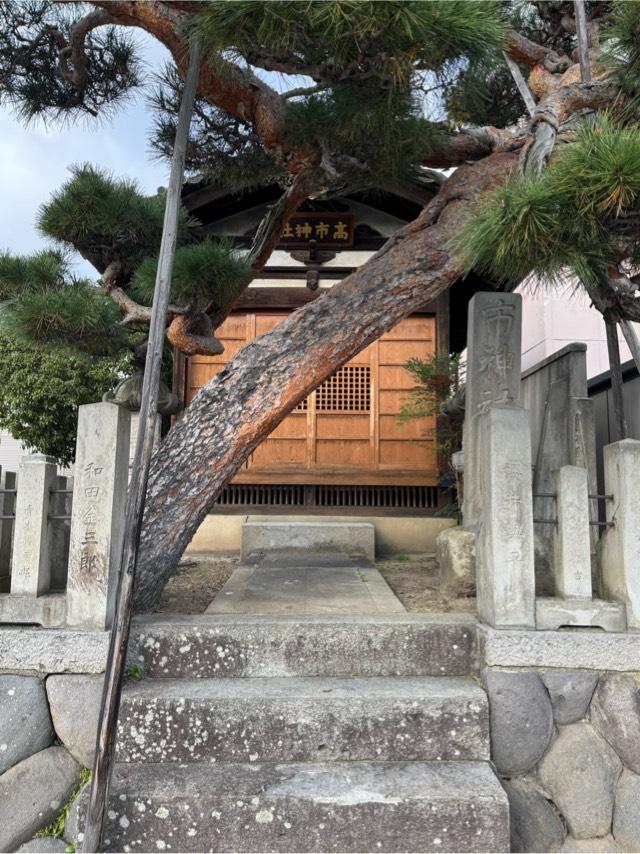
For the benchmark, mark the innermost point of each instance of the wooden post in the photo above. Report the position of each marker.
(139, 476)
(631, 337)
(583, 40)
(613, 346)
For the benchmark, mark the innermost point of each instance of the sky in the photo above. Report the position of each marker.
(34, 160)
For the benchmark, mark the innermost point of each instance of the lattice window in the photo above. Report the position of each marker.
(348, 390)
(302, 406)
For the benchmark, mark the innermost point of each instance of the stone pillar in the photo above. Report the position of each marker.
(99, 497)
(492, 379)
(505, 574)
(31, 565)
(621, 542)
(7, 508)
(571, 537)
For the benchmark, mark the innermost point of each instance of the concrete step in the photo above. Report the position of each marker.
(303, 720)
(351, 538)
(365, 806)
(213, 646)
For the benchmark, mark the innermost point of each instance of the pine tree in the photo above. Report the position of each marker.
(390, 89)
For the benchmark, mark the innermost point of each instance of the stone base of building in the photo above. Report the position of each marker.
(393, 534)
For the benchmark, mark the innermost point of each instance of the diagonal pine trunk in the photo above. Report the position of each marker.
(238, 409)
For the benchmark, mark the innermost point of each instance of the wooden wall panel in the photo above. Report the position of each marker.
(353, 426)
(319, 445)
(339, 453)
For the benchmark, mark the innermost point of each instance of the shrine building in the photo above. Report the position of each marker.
(342, 451)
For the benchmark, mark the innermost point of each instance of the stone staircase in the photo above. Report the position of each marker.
(328, 734)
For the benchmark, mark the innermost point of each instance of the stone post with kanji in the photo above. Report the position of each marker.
(492, 380)
(99, 498)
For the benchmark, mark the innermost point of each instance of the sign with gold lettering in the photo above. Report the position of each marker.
(317, 229)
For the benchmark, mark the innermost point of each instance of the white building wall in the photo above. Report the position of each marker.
(552, 318)
(11, 452)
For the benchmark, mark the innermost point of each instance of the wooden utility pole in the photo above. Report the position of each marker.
(583, 40)
(631, 337)
(139, 475)
(613, 346)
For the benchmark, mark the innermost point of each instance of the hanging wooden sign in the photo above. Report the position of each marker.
(318, 229)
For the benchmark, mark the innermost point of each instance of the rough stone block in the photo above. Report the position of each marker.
(620, 549)
(580, 772)
(571, 692)
(535, 823)
(571, 534)
(74, 701)
(351, 538)
(615, 712)
(49, 611)
(521, 720)
(25, 724)
(32, 794)
(591, 650)
(225, 646)
(456, 549)
(303, 720)
(602, 845)
(505, 573)
(361, 806)
(556, 613)
(52, 650)
(626, 812)
(44, 845)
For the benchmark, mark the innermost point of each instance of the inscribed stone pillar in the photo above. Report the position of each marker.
(494, 334)
(571, 536)
(505, 574)
(621, 542)
(99, 497)
(31, 565)
(7, 508)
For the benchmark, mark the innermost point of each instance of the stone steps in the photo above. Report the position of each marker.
(356, 806)
(303, 720)
(316, 734)
(223, 646)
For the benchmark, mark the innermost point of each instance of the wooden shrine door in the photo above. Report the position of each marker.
(346, 432)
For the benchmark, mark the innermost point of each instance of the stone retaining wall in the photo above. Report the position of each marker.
(48, 728)
(566, 744)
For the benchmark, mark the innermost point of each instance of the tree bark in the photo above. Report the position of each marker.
(238, 409)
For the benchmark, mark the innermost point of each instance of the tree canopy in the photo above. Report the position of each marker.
(371, 93)
(535, 132)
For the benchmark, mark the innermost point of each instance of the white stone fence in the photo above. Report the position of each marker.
(499, 497)
(65, 534)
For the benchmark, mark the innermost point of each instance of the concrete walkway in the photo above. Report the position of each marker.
(307, 584)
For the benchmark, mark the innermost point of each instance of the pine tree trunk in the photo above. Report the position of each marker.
(243, 404)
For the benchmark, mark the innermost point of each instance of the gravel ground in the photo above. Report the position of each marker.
(195, 584)
(413, 578)
(415, 581)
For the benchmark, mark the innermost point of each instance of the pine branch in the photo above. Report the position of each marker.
(73, 51)
(132, 310)
(522, 49)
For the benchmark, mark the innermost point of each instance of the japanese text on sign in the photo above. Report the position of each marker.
(322, 229)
